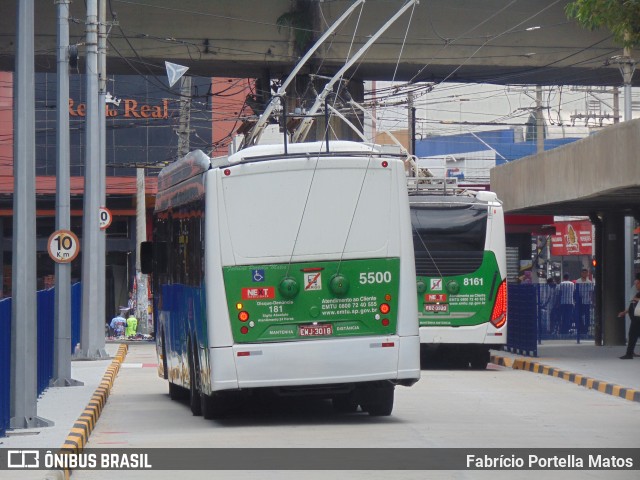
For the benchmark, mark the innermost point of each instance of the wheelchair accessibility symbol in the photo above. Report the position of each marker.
(257, 275)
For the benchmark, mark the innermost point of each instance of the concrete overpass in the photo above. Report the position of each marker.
(598, 177)
(494, 41)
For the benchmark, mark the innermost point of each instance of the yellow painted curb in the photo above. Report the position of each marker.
(590, 383)
(84, 425)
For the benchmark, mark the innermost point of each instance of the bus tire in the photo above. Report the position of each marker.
(480, 359)
(194, 395)
(379, 399)
(346, 403)
(216, 405)
(176, 392)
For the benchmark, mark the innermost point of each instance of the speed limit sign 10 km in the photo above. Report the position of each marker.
(63, 246)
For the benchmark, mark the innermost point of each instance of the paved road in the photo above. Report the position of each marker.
(499, 407)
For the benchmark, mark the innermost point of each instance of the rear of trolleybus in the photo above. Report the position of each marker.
(460, 259)
(308, 280)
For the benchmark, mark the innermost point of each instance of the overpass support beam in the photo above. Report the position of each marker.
(613, 279)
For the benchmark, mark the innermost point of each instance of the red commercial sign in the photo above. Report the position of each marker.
(572, 238)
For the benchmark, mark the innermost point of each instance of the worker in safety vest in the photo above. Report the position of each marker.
(132, 325)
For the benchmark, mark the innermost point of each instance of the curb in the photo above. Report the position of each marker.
(84, 425)
(584, 381)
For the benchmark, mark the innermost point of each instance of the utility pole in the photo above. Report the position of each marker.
(412, 125)
(539, 121)
(185, 116)
(24, 341)
(62, 317)
(616, 105)
(102, 157)
(142, 300)
(92, 338)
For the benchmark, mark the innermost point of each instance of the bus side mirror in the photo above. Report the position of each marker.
(146, 257)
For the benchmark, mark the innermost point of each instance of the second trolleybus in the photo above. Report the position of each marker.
(460, 254)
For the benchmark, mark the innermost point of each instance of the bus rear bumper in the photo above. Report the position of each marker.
(317, 362)
(482, 334)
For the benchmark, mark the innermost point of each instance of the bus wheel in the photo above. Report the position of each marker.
(194, 395)
(345, 403)
(216, 405)
(480, 359)
(379, 399)
(176, 392)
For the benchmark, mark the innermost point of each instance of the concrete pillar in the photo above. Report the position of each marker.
(613, 280)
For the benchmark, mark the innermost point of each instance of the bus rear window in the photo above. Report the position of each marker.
(448, 240)
(299, 211)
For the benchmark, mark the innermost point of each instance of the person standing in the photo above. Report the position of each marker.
(584, 300)
(132, 303)
(566, 292)
(548, 303)
(634, 326)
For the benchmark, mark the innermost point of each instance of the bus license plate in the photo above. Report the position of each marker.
(316, 330)
(436, 307)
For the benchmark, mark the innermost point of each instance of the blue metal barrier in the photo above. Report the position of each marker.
(46, 314)
(522, 336)
(5, 360)
(46, 334)
(76, 311)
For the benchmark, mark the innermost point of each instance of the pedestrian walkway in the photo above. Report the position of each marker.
(584, 364)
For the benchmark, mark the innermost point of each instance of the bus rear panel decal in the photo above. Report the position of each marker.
(306, 301)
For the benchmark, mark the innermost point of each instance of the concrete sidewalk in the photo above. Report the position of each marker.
(584, 363)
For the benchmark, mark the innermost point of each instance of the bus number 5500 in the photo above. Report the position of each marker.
(375, 277)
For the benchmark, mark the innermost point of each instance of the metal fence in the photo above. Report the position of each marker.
(522, 317)
(5, 360)
(46, 314)
(548, 312)
(565, 314)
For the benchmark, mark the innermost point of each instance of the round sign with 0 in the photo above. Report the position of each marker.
(63, 246)
(105, 218)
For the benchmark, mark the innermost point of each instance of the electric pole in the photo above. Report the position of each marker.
(62, 317)
(23, 407)
(92, 338)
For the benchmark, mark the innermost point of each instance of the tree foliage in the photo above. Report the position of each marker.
(620, 17)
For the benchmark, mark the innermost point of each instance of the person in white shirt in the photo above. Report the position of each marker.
(566, 291)
(634, 326)
(584, 300)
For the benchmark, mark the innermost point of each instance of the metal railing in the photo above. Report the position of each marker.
(46, 314)
(538, 312)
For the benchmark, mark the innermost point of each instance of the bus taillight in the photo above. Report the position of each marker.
(243, 316)
(499, 313)
(385, 308)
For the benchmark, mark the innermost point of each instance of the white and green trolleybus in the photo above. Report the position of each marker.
(460, 254)
(287, 269)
